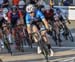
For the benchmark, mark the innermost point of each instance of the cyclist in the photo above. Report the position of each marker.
(59, 22)
(60, 15)
(34, 15)
(62, 19)
(15, 17)
(49, 13)
(3, 19)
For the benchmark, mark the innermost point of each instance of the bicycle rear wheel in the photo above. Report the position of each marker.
(7, 45)
(70, 36)
(44, 49)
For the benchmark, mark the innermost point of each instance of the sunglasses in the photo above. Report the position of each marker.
(31, 12)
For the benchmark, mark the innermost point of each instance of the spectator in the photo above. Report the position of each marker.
(41, 2)
(15, 2)
(1, 2)
(51, 3)
(33, 2)
(66, 3)
(5, 3)
(21, 4)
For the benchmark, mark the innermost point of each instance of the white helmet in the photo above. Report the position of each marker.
(5, 10)
(30, 8)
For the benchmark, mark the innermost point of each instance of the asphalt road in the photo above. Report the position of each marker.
(65, 53)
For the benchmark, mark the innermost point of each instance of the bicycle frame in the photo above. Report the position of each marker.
(42, 44)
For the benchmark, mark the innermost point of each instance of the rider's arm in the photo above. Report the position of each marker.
(21, 17)
(27, 18)
(29, 28)
(45, 23)
(9, 16)
(43, 19)
(5, 17)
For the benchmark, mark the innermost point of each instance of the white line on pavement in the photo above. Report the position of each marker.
(70, 59)
(73, 34)
(55, 47)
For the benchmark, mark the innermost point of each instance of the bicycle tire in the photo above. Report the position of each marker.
(7, 45)
(44, 49)
(42, 44)
(70, 36)
(46, 53)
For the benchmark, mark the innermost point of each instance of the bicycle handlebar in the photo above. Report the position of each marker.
(38, 31)
(20, 25)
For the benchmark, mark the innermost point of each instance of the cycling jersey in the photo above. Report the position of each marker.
(14, 16)
(49, 13)
(38, 15)
(1, 16)
(60, 16)
(2, 20)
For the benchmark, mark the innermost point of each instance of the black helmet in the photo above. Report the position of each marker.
(14, 8)
(57, 9)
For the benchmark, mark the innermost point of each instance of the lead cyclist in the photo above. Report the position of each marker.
(31, 14)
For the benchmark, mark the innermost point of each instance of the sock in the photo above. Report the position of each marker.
(2, 44)
(9, 38)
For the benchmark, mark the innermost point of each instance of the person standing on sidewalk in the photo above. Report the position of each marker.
(51, 3)
(15, 2)
(66, 3)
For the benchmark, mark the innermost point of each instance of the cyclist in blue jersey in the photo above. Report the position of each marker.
(34, 15)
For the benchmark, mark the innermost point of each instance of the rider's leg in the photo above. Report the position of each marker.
(9, 36)
(35, 29)
(43, 33)
(1, 41)
(2, 44)
(56, 28)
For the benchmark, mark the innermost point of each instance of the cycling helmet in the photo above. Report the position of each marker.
(14, 8)
(58, 10)
(5, 10)
(30, 8)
